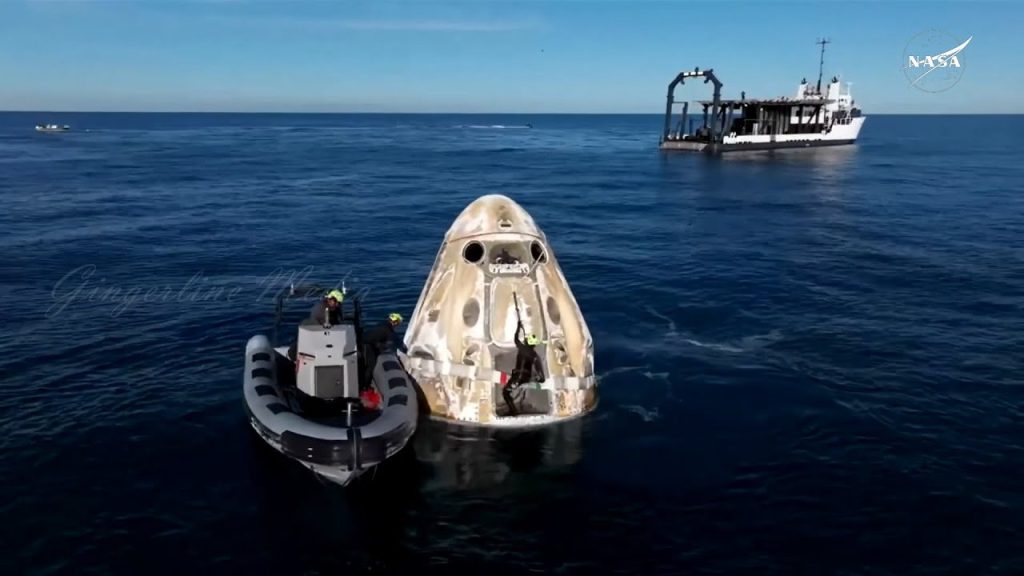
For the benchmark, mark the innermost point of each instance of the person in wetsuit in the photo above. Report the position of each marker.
(504, 257)
(327, 308)
(381, 338)
(528, 367)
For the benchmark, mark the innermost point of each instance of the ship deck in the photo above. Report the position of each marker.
(685, 145)
(768, 102)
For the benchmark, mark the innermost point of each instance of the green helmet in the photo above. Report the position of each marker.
(395, 318)
(337, 295)
(532, 340)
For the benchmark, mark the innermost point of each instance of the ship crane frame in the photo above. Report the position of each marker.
(709, 76)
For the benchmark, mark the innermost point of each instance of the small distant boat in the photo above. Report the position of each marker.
(52, 127)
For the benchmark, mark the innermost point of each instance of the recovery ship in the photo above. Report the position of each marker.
(814, 117)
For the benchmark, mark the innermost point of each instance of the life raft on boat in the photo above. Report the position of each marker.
(315, 410)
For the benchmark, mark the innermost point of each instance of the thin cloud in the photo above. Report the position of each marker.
(432, 25)
(373, 25)
(324, 24)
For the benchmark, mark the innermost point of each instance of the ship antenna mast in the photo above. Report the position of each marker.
(821, 65)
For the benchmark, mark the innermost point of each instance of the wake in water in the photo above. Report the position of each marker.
(746, 344)
(494, 126)
(647, 415)
(620, 370)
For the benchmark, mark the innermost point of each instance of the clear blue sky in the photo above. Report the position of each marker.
(484, 55)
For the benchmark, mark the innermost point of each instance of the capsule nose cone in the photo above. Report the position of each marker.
(493, 214)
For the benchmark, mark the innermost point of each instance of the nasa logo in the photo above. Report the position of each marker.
(933, 60)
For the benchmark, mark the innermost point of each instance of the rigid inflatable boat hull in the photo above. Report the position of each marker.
(335, 452)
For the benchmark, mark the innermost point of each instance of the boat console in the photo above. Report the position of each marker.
(327, 361)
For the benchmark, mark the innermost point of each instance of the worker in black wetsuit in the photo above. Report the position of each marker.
(326, 309)
(379, 339)
(528, 367)
(329, 308)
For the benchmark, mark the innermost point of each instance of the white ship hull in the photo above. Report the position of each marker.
(840, 134)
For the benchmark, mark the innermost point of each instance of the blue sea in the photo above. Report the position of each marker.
(810, 362)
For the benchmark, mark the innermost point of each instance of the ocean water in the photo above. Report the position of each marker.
(810, 362)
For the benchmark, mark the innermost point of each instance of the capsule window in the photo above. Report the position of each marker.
(560, 355)
(473, 252)
(537, 251)
(553, 313)
(471, 313)
(513, 253)
(419, 352)
(469, 358)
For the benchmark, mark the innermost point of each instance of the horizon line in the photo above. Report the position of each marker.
(321, 113)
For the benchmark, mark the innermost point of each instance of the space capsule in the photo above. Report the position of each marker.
(495, 276)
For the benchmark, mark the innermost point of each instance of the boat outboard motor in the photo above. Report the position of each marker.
(327, 361)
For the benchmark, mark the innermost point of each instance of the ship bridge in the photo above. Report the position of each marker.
(744, 116)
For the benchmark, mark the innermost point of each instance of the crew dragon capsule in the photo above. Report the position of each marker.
(495, 275)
